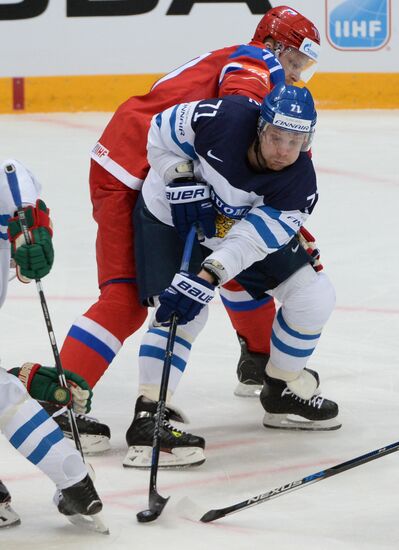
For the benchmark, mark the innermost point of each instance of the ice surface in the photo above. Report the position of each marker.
(356, 227)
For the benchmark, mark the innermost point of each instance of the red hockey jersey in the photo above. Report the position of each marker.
(247, 70)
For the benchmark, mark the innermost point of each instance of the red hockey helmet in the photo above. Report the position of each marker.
(292, 31)
(287, 26)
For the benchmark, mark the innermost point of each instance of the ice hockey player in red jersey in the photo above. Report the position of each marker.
(285, 46)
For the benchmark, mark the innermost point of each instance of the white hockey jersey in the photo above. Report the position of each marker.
(257, 213)
(27, 193)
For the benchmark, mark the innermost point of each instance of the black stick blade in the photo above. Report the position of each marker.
(157, 502)
(211, 515)
(146, 516)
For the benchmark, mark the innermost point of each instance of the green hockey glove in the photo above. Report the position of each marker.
(34, 260)
(43, 384)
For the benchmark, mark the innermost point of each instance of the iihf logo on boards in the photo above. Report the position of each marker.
(358, 24)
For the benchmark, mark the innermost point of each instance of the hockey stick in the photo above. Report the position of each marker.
(156, 502)
(218, 513)
(93, 522)
(13, 183)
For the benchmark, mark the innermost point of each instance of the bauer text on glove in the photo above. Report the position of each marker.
(190, 204)
(186, 296)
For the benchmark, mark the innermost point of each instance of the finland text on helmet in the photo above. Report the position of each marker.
(290, 109)
(292, 30)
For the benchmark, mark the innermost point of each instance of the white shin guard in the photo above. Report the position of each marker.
(307, 299)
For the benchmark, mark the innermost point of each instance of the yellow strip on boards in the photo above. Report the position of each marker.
(6, 95)
(355, 90)
(106, 92)
(84, 93)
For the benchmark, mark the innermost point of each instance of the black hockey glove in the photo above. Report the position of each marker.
(186, 296)
(190, 204)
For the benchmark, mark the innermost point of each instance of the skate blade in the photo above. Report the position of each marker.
(91, 523)
(140, 457)
(92, 444)
(295, 422)
(8, 518)
(10, 525)
(247, 390)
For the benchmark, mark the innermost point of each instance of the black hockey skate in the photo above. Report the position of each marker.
(81, 498)
(284, 409)
(8, 517)
(178, 449)
(94, 436)
(81, 504)
(250, 371)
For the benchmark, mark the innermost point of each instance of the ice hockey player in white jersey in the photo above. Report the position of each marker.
(23, 421)
(243, 172)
